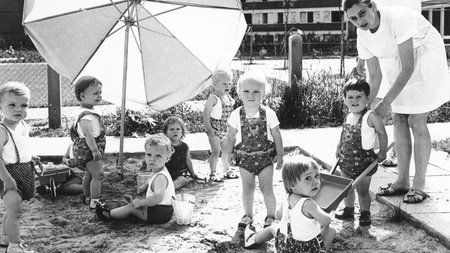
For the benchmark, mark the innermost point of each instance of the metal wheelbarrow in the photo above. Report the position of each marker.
(51, 177)
(335, 188)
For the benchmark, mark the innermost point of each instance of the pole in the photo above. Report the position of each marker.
(251, 45)
(295, 59)
(54, 98)
(342, 71)
(285, 32)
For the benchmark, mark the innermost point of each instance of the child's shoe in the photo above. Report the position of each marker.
(348, 213)
(245, 221)
(102, 211)
(93, 203)
(19, 248)
(249, 237)
(364, 218)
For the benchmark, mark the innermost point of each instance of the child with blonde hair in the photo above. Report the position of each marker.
(156, 207)
(215, 116)
(88, 136)
(16, 168)
(304, 226)
(254, 128)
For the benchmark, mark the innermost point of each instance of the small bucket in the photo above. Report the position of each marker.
(142, 178)
(183, 206)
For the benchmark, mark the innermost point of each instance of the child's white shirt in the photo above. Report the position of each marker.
(369, 138)
(22, 139)
(169, 192)
(235, 122)
(303, 228)
(216, 112)
(95, 121)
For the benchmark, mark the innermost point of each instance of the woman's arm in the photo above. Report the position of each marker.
(375, 77)
(406, 53)
(376, 122)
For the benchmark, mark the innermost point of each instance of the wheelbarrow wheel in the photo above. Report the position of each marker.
(52, 188)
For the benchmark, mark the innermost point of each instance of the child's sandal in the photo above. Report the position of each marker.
(364, 219)
(268, 221)
(245, 221)
(101, 210)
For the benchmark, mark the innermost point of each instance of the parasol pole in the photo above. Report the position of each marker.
(128, 22)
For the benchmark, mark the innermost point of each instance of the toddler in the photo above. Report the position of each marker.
(16, 167)
(255, 129)
(156, 207)
(88, 136)
(304, 225)
(361, 132)
(215, 116)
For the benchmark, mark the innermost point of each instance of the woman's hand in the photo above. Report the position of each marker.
(382, 108)
(97, 155)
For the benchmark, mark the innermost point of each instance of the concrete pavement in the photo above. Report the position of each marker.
(433, 215)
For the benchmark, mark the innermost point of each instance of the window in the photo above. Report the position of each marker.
(248, 18)
(426, 14)
(317, 18)
(335, 16)
(436, 19)
(264, 18)
(280, 17)
(303, 17)
(327, 16)
(310, 17)
(447, 21)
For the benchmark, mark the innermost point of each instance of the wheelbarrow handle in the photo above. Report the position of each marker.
(39, 164)
(337, 162)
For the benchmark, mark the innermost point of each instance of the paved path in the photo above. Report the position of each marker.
(433, 215)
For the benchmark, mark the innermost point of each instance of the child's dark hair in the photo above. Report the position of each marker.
(347, 4)
(294, 167)
(357, 84)
(83, 83)
(174, 120)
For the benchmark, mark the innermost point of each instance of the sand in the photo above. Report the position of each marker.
(66, 225)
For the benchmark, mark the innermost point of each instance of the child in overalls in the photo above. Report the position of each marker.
(256, 149)
(217, 110)
(362, 131)
(88, 136)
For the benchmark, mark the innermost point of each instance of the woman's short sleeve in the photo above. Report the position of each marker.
(404, 26)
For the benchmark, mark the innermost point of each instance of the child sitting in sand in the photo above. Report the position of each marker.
(16, 170)
(355, 150)
(88, 136)
(254, 127)
(156, 207)
(304, 225)
(217, 110)
(73, 185)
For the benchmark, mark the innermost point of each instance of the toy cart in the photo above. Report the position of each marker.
(335, 188)
(51, 177)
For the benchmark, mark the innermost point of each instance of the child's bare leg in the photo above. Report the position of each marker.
(214, 141)
(180, 182)
(13, 204)
(363, 194)
(266, 187)
(95, 168)
(248, 191)
(224, 148)
(125, 211)
(328, 235)
(266, 234)
(87, 184)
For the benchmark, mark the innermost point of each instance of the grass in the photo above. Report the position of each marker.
(442, 145)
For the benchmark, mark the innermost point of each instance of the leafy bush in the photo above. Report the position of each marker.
(315, 101)
(442, 145)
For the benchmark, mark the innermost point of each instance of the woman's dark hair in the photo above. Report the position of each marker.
(357, 84)
(83, 83)
(347, 4)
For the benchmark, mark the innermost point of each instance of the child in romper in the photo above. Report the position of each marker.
(304, 225)
(88, 136)
(16, 170)
(180, 163)
(156, 207)
(361, 130)
(215, 116)
(254, 127)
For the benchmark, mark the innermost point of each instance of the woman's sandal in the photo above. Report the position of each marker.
(268, 221)
(231, 175)
(391, 190)
(390, 162)
(245, 221)
(102, 211)
(415, 196)
(215, 177)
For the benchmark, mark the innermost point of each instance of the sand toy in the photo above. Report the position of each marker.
(51, 177)
(183, 206)
(335, 188)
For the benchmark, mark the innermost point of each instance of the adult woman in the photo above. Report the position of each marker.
(413, 54)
